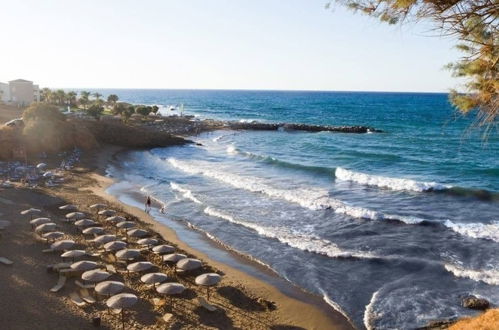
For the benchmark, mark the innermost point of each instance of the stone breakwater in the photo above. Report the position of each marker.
(301, 127)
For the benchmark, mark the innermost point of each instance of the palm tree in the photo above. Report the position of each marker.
(97, 96)
(46, 95)
(72, 98)
(84, 95)
(112, 99)
(61, 96)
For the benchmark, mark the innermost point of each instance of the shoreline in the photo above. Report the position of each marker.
(292, 304)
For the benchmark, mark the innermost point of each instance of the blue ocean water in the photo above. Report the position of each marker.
(392, 228)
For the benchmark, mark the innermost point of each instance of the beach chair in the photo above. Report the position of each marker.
(158, 302)
(84, 286)
(111, 269)
(59, 266)
(6, 261)
(85, 295)
(75, 298)
(60, 284)
(203, 303)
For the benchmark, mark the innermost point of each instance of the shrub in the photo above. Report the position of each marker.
(95, 110)
(42, 111)
(143, 110)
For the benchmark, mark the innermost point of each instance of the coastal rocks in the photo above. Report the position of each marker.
(438, 325)
(473, 302)
(301, 127)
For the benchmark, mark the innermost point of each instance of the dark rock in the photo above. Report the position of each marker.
(473, 302)
(438, 325)
(267, 304)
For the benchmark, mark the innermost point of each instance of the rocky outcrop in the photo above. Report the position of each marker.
(473, 302)
(301, 127)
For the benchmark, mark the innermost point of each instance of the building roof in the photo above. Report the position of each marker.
(20, 80)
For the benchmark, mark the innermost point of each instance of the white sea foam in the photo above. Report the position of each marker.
(335, 305)
(489, 276)
(293, 238)
(311, 197)
(369, 315)
(232, 149)
(186, 193)
(476, 230)
(387, 182)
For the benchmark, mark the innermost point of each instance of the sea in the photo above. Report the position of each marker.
(391, 229)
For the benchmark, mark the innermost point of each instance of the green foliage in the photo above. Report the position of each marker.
(155, 109)
(42, 111)
(474, 23)
(97, 95)
(95, 110)
(128, 112)
(143, 110)
(112, 99)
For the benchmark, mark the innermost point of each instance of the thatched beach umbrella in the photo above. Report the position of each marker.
(137, 233)
(48, 174)
(208, 280)
(115, 219)
(139, 266)
(84, 265)
(31, 212)
(163, 249)
(147, 241)
(115, 246)
(174, 257)
(53, 235)
(73, 254)
(125, 224)
(39, 221)
(171, 289)
(107, 213)
(46, 227)
(93, 231)
(189, 264)
(128, 254)
(62, 245)
(122, 301)
(153, 278)
(41, 166)
(95, 275)
(97, 207)
(85, 223)
(68, 207)
(109, 288)
(75, 215)
(103, 239)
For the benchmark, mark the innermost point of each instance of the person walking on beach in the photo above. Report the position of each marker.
(148, 204)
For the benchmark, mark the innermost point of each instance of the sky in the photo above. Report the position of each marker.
(217, 44)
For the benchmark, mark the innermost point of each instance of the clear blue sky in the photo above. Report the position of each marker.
(226, 44)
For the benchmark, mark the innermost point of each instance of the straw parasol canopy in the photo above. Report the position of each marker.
(115, 219)
(147, 241)
(46, 227)
(137, 232)
(163, 249)
(115, 246)
(95, 275)
(39, 221)
(153, 278)
(122, 301)
(125, 224)
(103, 239)
(62, 245)
(107, 213)
(109, 287)
(31, 212)
(75, 215)
(207, 280)
(189, 264)
(85, 223)
(68, 207)
(139, 266)
(98, 206)
(84, 265)
(170, 288)
(174, 257)
(93, 231)
(128, 254)
(73, 254)
(53, 235)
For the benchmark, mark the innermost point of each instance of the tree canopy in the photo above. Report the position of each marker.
(474, 23)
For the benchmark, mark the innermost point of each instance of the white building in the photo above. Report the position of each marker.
(4, 93)
(20, 92)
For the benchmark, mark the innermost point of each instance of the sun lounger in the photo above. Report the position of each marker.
(76, 299)
(165, 318)
(5, 261)
(158, 302)
(84, 286)
(85, 295)
(59, 266)
(116, 311)
(60, 284)
(206, 305)
(111, 269)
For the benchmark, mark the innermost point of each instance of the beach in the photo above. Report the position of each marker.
(28, 282)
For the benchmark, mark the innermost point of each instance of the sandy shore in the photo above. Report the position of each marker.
(27, 284)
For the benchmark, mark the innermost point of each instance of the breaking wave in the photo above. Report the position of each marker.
(476, 230)
(489, 276)
(387, 182)
(186, 193)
